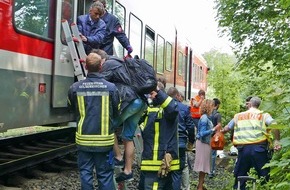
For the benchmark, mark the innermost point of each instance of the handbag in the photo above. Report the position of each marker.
(217, 142)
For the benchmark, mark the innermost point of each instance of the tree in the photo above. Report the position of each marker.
(224, 82)
(260, 30)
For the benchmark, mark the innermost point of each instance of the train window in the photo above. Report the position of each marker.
(168, 58)
(180, 63)
(67, 11)
(197, 73)
(201, 73)
(35, 17)
(109, 6)
(121, 15)
(67, 14)
(135, 34)
(193, 72)
(149, 45)
(160, 54)
(185, 67)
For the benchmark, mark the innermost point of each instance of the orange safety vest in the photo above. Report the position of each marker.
(195, 111)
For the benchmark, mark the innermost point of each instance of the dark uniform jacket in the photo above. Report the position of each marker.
(185, 122)
(113, 29)
(95, 102)
(114, 71)
(160, 133)
(95, 32)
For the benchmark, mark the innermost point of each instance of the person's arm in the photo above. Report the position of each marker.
(198, 103)
(203, 124)
(80, 23)
(96, 38)
(219, 121)
(121, 36)
(70, 100)
(276, 132)
(116, 102)
(277, 144)
(229, 126)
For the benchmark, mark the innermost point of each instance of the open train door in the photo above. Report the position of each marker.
(63, 71)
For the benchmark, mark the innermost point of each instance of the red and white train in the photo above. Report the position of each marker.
(36, 69)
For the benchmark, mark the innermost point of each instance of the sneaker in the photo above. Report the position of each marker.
(119, 163)
(124, 177)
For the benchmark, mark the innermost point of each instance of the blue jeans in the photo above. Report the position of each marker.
(130, 118)
(103, 163)
(213, 158)
(177, 175)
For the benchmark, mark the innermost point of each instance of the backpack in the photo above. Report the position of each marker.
(142, 74)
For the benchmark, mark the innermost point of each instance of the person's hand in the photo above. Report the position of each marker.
(224, 130)
(277, 145)
(129, 49)
(84, 39)
(214, 129)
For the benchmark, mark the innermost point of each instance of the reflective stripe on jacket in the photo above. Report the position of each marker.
(160, 134)
(250, 128)
(95, 102)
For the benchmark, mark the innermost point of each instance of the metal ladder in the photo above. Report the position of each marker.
(78, 55)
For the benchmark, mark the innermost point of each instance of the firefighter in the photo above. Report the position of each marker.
(252, 139)
(160, 143)
(95, 102)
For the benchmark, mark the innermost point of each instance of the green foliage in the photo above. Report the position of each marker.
(224, 82)
(260, 31)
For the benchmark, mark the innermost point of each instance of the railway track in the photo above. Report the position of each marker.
(22, 152)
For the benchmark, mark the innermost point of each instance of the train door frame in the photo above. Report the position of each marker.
(62, 62)
(189, 84)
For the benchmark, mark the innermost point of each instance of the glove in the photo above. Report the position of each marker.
(165, 165)
(129, 49)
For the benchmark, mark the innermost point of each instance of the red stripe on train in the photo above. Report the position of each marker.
(16, 42)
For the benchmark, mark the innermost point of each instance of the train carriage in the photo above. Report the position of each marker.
(36, 69)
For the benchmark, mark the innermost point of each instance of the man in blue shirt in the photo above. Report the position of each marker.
(92, 28)
(114, 29)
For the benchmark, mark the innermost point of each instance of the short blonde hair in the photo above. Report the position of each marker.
(206, 106)
(93, 62)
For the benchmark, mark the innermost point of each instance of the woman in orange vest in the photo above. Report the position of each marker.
(195, 113)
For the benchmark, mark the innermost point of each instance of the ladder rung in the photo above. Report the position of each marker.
(75, 39)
